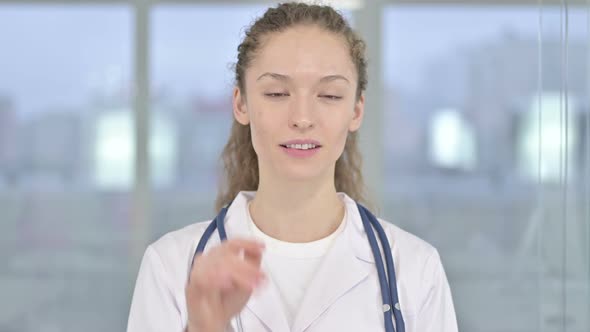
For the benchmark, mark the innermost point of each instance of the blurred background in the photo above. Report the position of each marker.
(113, 114)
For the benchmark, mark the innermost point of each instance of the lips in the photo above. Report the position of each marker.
(301, 144)
(302, 148)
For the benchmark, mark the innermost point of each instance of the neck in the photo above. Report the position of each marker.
(297, 211)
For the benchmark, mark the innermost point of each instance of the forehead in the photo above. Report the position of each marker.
(304, 50)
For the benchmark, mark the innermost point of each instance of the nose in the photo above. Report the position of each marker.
(301, 114)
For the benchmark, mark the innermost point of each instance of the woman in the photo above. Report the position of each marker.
(296, 256)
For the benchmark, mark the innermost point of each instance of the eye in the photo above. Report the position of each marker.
(276, 94)
(331, 97)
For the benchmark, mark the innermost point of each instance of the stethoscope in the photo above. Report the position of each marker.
(387, 281)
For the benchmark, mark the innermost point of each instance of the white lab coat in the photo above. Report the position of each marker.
(344, 295)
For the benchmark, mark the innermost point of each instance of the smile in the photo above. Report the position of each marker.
(300, 146)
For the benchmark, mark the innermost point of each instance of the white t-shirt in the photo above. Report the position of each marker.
(291, 266)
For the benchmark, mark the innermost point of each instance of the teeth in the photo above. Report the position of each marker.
(301, 146)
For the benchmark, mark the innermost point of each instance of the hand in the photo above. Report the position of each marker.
(221, 282)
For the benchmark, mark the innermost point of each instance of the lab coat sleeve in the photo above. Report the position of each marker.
(437, 312)
(153, 308)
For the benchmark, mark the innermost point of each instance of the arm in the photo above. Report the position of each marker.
(153, 307)
(437, 312)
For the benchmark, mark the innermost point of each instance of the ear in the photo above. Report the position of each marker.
(240, 108)
(359, 112)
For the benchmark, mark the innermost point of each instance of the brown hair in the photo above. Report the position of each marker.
(239, 158)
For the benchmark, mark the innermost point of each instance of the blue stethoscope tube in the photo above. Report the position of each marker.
(387, 280)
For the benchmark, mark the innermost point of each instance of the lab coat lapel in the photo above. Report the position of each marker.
(265, 302)
(345, 265)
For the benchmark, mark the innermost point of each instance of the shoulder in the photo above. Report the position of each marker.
(159, 290)
(173, 252)
(418, 261)
(179, 239)
(407, 243)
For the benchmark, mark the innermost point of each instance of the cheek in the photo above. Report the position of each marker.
(342, 140)
(344, 131)
(339, 136)
(338, 123)
(260, 131)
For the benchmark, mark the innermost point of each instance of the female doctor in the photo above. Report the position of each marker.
(297, 255)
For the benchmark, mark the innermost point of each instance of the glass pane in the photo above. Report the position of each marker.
(462, 157)
(64, 202)
(191, 106)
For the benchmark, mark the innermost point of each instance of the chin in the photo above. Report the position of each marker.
(302, 172)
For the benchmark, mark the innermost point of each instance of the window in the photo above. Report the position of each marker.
(512, 247)
(64, 231)
(191, 90)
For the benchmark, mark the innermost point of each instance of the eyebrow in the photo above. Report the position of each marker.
(282, 77)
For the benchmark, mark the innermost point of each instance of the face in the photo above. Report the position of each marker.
(300, 102)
